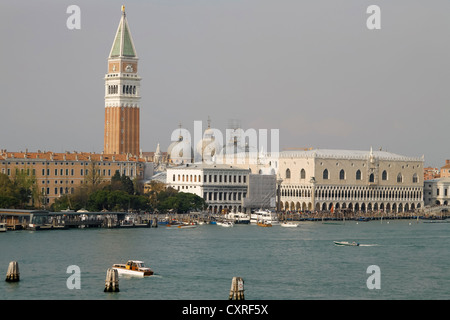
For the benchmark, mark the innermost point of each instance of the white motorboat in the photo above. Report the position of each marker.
(265, 216)
(346, 243)
(3, 227)
(133, 268)
(225, 224)
(289, 224)
(238, 217)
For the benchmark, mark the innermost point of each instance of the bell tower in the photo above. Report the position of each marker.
(122, 94)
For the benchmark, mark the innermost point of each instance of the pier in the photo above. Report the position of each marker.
(47, 220)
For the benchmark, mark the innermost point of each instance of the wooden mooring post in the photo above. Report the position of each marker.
(112, 281)
(237, 289)
(13, 274)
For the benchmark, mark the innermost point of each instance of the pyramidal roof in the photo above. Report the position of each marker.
(123, 45)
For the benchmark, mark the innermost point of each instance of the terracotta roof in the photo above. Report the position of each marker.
(69, 156)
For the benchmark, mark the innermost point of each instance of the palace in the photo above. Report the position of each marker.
(339, 180)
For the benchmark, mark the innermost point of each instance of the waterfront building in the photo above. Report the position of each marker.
(57, 174)
(223, 186)
(344, 180)
(437, 191)
(339, 180)
(331, 180)
(122, 94)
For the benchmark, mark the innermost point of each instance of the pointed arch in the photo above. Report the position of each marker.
(302, 174)
(288, 173)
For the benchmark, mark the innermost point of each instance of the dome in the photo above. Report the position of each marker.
(208, 147)
(176, 151)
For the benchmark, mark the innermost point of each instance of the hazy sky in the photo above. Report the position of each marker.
(311, 69)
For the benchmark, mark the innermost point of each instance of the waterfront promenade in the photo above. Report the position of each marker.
(45, 220)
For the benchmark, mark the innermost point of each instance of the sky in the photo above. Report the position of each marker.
(309, 68)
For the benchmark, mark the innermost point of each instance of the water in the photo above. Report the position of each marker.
(198, 264)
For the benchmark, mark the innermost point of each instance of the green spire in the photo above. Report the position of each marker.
(123, 45)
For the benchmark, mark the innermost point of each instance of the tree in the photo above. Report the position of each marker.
(180, 201)
(19, 190)
(93, 179)
(122, 182)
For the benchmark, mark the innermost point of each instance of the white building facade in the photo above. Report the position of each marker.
(222, 186)
(350, 180)
(437, 192)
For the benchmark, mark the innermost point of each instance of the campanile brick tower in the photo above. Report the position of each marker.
(122, 94)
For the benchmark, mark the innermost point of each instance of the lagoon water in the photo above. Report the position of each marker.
(198, 264)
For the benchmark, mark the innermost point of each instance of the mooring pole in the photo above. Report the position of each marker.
(13, 274)
(237, 289)
(112, 280)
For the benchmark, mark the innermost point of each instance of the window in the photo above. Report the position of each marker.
(399, 178)
(325, 174)
(288, 174)
(342, 174)
(384, 175)
(415, 179)
(302, 174)
(371, 178)
(358, 175)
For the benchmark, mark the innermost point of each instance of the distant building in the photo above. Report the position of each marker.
(59, 174)
(437, 191)
(223, 186)
(431, 173)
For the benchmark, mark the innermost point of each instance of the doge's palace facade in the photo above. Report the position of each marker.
(339, 180)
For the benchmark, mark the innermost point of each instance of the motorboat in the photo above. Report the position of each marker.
(287, 224)
(346, 243)
(238, 217)
(133, 268)
(225, 224)
(3, 227)
(265, 216)
(187, 226)
(263, 224)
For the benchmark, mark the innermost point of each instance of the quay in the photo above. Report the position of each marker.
(17, 219)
